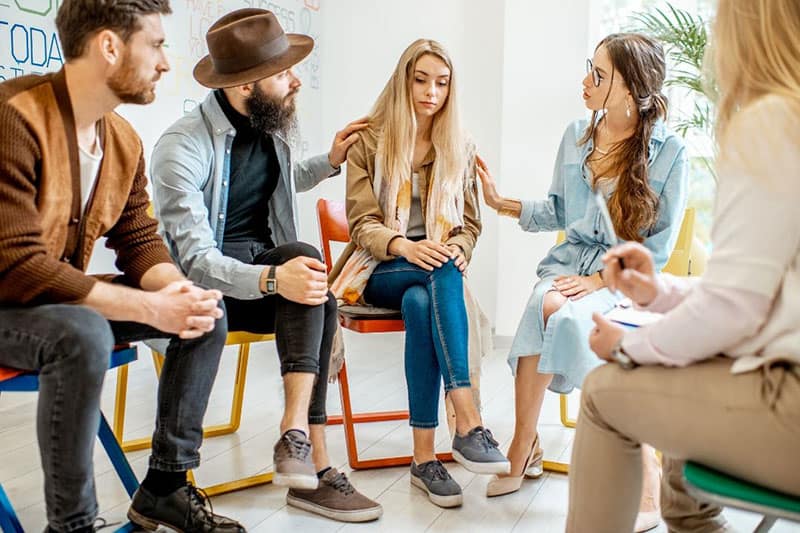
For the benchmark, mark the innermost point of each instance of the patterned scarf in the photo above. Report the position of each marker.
(444, 216)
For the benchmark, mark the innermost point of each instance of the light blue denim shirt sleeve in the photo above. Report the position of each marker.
(547, 215)
(179, 167)
(671, 202)
(311, 172)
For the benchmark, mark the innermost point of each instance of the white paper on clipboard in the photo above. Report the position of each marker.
(624, 313)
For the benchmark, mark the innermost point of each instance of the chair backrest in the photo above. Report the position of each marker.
(332, 220)
(680, 260)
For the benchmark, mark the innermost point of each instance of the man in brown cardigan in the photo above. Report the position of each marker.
(71, 171)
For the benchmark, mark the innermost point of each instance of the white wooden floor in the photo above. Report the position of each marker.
(377, 383)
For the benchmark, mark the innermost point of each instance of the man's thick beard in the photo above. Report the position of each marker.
(269, 114)
(127, 86)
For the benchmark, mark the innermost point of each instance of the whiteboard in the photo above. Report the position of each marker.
(29, 45)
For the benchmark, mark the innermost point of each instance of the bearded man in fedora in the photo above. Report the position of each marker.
(225, 184)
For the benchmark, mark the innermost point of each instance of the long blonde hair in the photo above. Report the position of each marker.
(393, 120)
(756, 51)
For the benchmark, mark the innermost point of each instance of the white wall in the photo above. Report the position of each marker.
(545, 52)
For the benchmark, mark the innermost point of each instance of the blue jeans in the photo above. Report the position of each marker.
(70, 345)
(432, 304)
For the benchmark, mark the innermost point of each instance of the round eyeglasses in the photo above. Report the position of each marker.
(593, 71)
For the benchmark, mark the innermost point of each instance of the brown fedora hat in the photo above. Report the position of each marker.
(248, 45)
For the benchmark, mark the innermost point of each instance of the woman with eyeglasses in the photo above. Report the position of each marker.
(626, 152)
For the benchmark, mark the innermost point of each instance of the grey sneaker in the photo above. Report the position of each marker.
(478, 452)
(336, 499)
(433, 478)
(292, 459)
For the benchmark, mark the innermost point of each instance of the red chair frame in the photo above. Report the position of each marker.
(333, 228)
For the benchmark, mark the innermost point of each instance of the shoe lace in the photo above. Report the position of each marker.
(342, 484)
(436, 470)
(202, 509)
(487, 438)
(102, 523)
(297, 448)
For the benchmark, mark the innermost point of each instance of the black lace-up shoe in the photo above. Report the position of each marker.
(187, 510)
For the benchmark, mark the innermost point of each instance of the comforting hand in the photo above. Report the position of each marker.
(343, 140)
(490, 194)
(638, 280)
(183, 309)
(576, 287)
(605, 336)
(460, 259)
(303, 280)
(425, 254)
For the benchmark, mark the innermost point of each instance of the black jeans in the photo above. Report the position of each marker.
(70, 346)
(304, 333)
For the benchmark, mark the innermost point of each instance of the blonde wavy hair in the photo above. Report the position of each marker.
(393, 121)
(756, 51)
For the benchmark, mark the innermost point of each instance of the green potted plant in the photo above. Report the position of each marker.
(685, 38)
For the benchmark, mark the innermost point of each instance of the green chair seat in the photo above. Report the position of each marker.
(711, 485)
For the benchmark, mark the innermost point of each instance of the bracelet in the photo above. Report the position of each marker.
(508, 211)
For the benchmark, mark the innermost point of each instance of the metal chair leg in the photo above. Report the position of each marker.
(8, 518)
(766, 524)
(566, 421)
(348, 420)
(118, 460)
(231, 426)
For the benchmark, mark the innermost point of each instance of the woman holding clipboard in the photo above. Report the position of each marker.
(720, 371)
(627, 154)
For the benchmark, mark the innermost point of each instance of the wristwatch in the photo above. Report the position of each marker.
(271, 283)
(624, 360)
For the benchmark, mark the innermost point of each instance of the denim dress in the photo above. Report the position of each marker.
(564, 344)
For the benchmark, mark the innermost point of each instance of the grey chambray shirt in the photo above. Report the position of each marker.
(190, 169)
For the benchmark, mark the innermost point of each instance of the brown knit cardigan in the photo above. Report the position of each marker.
(45, 243)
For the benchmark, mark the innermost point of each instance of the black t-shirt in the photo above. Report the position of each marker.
(254, 175)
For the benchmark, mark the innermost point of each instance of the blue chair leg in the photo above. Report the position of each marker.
(9, 522)
(118, 459)
(120, 464)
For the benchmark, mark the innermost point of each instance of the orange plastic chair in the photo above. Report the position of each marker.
(333, 228)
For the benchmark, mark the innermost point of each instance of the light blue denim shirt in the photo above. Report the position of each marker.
(570, 206)
(190, 169)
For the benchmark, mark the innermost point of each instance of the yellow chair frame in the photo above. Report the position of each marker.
(241, 338)
(679, 264)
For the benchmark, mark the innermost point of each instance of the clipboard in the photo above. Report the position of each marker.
(625, 315)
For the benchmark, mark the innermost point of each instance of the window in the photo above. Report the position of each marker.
(609, 16)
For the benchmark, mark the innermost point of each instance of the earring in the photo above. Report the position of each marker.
(627, 109)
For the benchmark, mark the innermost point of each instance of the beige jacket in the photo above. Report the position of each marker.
(365, 216)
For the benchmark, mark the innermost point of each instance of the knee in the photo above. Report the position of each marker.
(331, 306)
(599, 380)
(219, 334)
(86, 337)
(448, 269)
(553, 301)
(416, 301)
(300, 249)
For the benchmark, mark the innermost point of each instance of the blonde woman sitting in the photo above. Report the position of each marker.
(414, 221)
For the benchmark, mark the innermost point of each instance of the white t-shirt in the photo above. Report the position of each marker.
(90, 167)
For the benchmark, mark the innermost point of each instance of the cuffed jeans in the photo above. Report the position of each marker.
(69, 345)
(303, 333)
(432, 304)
